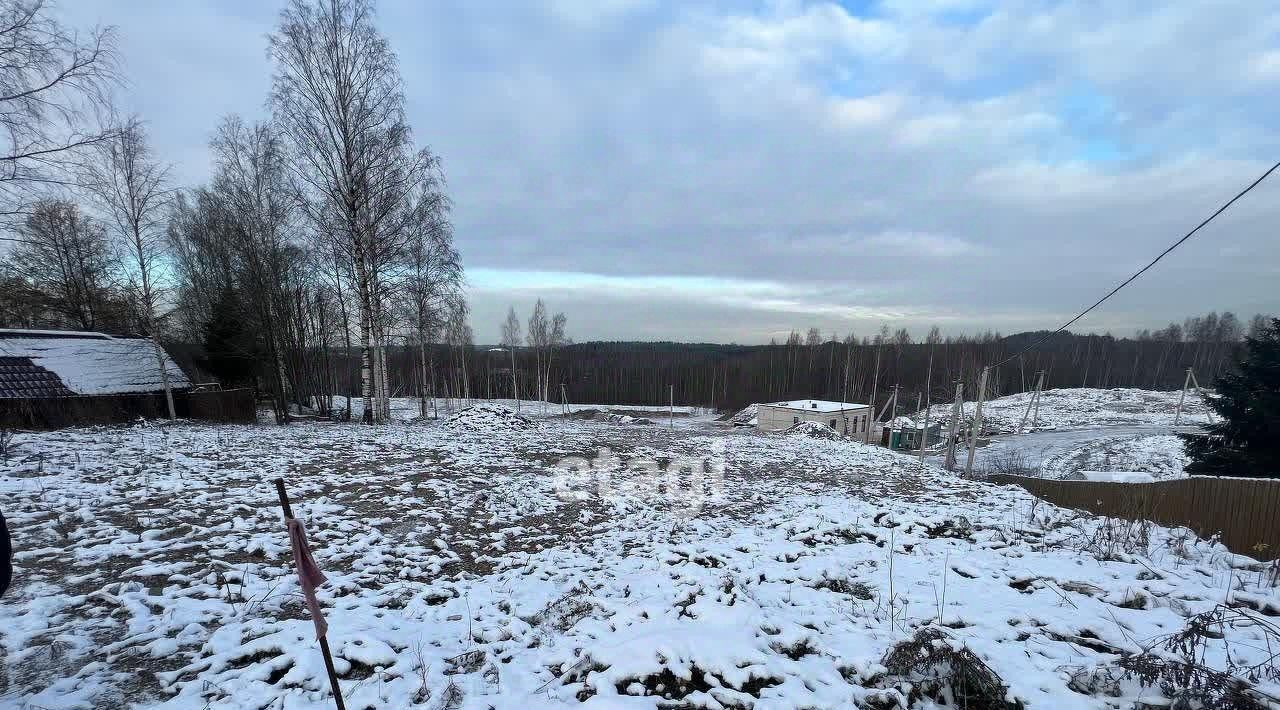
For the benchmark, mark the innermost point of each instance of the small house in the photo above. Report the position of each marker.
(848, 418)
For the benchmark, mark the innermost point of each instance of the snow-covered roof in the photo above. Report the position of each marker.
(91, 363)
(816, 405)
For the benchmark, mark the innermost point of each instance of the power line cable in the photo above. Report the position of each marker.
(1143, 270)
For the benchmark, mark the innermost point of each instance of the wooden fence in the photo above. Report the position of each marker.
(57, 412)
(228, 406)
(1244, 511)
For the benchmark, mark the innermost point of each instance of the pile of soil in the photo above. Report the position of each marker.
(745, 416)
(626, 419)
(488, 417)
(814, 430)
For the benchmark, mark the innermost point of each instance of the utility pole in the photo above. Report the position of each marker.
(671, 406)
(894, 414)
(1196, 384)
(1035, 413)
(928, 382)
(1035, 400)
(950, 460)
(564, 400)
(875, 380)
(891, 402)
(977, 423)
(1186, 382)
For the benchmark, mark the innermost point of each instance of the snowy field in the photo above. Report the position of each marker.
(1083, 407)
(1153, 451)
(408, 408)
(479, 562)
(1160, 456)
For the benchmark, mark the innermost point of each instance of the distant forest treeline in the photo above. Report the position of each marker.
(732, 376)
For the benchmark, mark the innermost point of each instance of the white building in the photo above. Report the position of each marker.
(847, 418)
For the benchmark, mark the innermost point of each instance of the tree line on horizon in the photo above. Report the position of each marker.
(731, 376)
(852, 369)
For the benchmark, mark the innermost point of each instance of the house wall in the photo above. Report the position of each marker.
(770, 418)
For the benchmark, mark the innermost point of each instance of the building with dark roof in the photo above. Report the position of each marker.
(51, 363)
(54, 378)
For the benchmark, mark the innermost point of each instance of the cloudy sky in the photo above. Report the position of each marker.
(728, 171)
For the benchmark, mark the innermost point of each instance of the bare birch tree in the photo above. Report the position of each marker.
(338, 98)
(460, 338)
(250, 182)
(539, 332)
(132, 187)
(433, 280)
(556, 338)
(68, 261)
(511, 341)
(54, 86)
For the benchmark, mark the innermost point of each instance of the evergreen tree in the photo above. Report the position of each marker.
(230, 351)
(1246, 440)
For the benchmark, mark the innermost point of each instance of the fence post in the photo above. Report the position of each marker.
(977, 423)
(950, 461)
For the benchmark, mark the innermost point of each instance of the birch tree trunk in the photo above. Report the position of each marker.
(369, 416)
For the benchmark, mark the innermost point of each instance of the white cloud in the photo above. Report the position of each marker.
(916, 244)
(1265, 66)
(595, 146)
(814, 34)
(865, 111)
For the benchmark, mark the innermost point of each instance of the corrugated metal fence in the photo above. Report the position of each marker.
(1245, 511)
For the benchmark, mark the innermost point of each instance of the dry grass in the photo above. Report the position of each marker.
(941, 669)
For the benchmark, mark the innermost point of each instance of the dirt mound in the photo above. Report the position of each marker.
(488, 417)
(611, 417)
(626, 419)
(745, 416)
(814, 430)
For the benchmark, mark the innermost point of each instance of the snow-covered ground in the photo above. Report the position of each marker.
(646, 408)
(1083, 407)
(559, 563)
(1153, 450)
(408, 408)
(1159, 455)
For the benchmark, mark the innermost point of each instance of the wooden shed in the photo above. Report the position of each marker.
(53, 378)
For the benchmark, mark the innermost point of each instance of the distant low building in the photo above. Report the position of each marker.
(848, 418)
(905, 435)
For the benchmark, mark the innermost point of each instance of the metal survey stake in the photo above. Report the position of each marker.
(324, 643)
